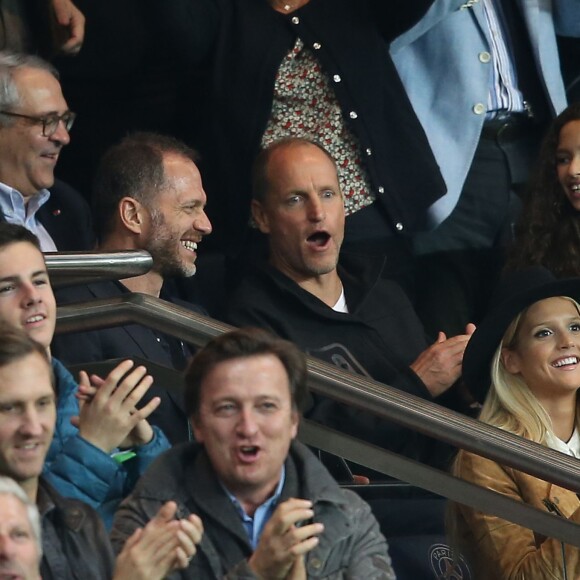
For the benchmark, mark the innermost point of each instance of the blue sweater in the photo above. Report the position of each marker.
(79, 470)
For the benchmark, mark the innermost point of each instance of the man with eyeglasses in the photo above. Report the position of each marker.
(34, 127)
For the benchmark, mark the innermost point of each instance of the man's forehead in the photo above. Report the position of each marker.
(34, 365)
(28, 75)
(182, 180)
(296, 162)
(40, 89)
(178, 165)
(292, 153)
(252, 376)
(177, 199)
(16, 268)
(13, 512)
(12, 272)
(10, 498)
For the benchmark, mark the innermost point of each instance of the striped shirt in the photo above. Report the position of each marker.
(504, 94)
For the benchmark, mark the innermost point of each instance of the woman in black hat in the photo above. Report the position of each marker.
(524, 360)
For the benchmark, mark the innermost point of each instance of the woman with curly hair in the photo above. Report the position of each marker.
(548, 231)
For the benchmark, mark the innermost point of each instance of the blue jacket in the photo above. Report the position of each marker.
(79, 470)
(445, 78)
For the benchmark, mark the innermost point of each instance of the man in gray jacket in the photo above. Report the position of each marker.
(269, 508)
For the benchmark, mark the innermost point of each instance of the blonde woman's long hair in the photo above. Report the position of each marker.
(510, 405)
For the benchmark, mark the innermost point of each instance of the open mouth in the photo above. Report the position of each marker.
(28, 446)
(248, 453)
(189, 245)
(249, 450)
(31, 451)
(318, 239)
(35, 318)
(563, 362)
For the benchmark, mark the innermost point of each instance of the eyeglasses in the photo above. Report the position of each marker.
(49, 122)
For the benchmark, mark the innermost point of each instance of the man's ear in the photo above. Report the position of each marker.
(295, 423)
(260, 217)
(131, 214)
(197, 431)
(510, 360)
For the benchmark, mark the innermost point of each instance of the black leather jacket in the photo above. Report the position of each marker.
(74, 541)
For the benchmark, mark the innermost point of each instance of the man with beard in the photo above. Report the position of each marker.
(148, 196)
(343, 311)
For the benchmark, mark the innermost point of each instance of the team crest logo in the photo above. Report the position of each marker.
(443, 565)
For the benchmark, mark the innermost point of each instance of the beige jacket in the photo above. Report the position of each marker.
(498, 549)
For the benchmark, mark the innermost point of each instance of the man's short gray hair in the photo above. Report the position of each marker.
(10, 62)
(9, 487)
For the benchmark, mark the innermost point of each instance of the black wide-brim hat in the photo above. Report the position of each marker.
(515, 292)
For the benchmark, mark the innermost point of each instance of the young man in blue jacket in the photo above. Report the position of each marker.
(101, 447)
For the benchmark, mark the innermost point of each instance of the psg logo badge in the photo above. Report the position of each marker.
(443, 565)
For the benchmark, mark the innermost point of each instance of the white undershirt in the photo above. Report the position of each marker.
(572, 447)
(341, 305)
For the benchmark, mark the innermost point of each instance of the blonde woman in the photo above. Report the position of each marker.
(526, 355)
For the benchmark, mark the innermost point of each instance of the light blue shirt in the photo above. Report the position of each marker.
(504, 94)
(17, 212)
(255, 526)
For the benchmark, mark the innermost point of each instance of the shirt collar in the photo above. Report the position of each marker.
(12, 203)
(44, 501)
(571, 447)
(273, 499)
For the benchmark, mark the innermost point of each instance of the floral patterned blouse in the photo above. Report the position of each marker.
(305, 106)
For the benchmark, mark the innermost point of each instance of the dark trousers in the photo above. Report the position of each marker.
(457, 264)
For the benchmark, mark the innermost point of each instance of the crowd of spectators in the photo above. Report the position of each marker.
(368, 169)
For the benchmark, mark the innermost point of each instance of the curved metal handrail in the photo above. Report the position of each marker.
(82, 267)
(376, 398)
(382, 400)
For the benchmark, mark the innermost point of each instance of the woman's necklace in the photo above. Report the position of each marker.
(286, 6)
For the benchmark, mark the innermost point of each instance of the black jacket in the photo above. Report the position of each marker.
(379, 337)
(131, 340)
(247, 40)
(67, 218)
(74, 541)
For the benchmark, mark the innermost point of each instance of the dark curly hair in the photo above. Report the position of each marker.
(548, 231)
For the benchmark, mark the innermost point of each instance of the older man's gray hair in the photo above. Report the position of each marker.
(10, 487)
(10, 62)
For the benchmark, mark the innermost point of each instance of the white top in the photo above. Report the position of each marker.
(340, 305)
(571, 447)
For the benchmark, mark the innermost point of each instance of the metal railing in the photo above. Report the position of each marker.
(382, 400)
(366, 394)
(83, 267)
